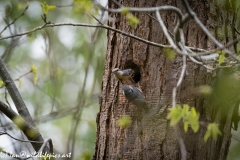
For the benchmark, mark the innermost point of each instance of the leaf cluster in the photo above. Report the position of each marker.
(189, 117)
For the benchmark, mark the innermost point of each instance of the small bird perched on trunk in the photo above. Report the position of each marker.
(134, 95)
(124, 76)
(131, 91)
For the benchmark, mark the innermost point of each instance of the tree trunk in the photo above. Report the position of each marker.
(150, 136)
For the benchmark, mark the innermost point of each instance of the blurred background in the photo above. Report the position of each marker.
(69, 62)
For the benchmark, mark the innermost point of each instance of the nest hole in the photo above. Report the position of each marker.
(136, 75)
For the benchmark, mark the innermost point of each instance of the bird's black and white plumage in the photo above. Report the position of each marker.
(134, 95)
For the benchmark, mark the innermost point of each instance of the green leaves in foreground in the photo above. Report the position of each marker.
(190, 117)
(2, 84)
(124, 121)
(212, 130)
(169, 53)
(221, 57)
(125, 11)
(132, 20)
(46, 8)
(34, 71)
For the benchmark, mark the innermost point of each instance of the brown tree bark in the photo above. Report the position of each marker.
(150, 136)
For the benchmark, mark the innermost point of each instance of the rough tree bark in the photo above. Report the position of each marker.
(150, 136)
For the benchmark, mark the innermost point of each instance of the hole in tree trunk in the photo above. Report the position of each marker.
(136, 76)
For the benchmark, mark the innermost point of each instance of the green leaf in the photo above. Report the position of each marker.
(175, 115)
(215, 131)
(51, 7)
(221, 58)
(212, 130)
(132, 20)
(46, 8)
(188, 117)
(185, 126)
(125, 11)
(34, 71)
(2, 84)
(124, 121)
(169, 53)
(19, 82)
(194, 113)
(194, 125)
(185, 110)
(193, 119)
(207, 135)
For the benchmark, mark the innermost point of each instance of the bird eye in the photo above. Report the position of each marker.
(115, 70)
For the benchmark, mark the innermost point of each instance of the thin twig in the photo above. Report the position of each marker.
(87, 25)
(184, 66)
(206, 31)
(165, 32)
(15, 19)
(23, 126)
(138, 9)
(14, 93)
(49, 141)
(220, 48)
(5, 133)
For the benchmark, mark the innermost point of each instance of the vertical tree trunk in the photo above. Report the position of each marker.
(150, 136)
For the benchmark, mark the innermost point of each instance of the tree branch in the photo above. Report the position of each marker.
(14, 93)
(30, 131)
(20, 106)
(138, 9)
(87, 25)
(206, 31)
(15, 19)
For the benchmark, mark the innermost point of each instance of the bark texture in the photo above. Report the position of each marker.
(150, 135)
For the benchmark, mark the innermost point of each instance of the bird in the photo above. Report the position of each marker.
(124, 76)
(134, 95)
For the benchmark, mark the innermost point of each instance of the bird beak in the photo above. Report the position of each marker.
(114, 70)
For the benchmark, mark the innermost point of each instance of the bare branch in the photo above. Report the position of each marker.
(87, 25)
(49, 141)
(23, 126)
(184, 66)
(220, 48)
(14, 93)
(5, 133)
(165, 31)
(20, 105)
(100, 26)
(15, 19)
(206, 31)
(150, 9)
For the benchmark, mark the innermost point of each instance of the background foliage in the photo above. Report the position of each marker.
(69, 62)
